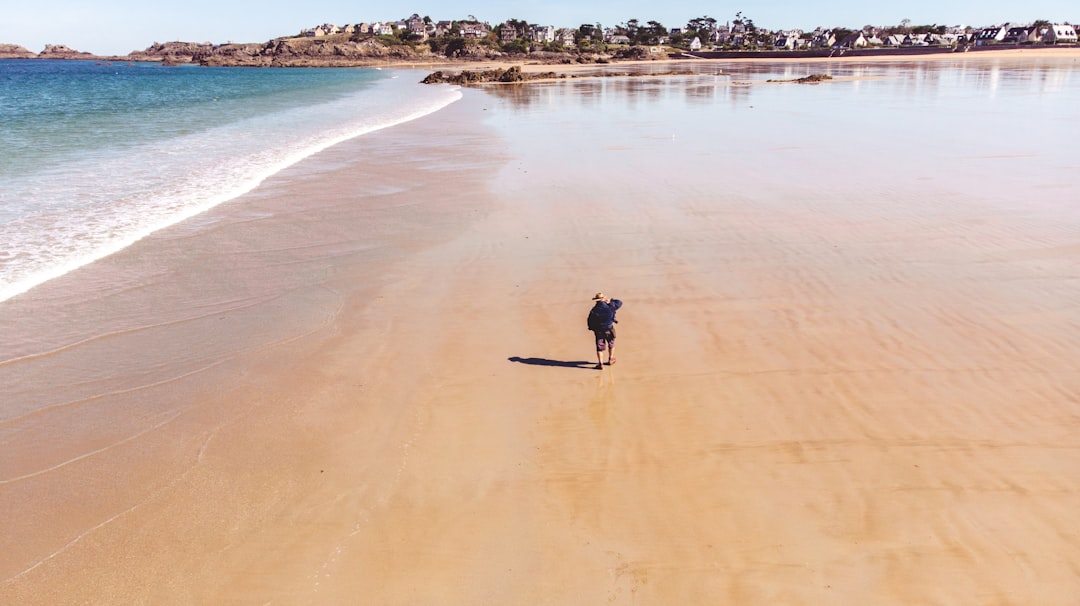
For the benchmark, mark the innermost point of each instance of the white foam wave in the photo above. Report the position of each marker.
(87, 211)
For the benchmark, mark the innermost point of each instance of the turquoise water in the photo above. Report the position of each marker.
(98, 155)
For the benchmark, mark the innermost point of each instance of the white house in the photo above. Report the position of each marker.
(474, 30)
(695, 44)
(991, 35)
(786, 42)
(1060, 32)
(543, 33)
(853, 40)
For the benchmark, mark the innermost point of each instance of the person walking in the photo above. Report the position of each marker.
(602, 322)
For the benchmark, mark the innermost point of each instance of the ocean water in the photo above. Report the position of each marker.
(98, 155)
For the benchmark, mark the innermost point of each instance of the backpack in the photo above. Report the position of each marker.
(601, 317)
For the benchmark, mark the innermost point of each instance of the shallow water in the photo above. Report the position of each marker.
(98, 155)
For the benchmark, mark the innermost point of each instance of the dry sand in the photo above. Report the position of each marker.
(803, 411)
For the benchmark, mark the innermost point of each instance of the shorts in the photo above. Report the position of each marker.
(604, 338)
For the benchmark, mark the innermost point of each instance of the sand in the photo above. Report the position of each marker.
(336, 398)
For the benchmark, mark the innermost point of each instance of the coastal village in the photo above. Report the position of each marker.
(418, 38)
(706, 33)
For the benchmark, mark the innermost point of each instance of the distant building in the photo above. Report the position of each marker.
(566, 36)
(991, 35)
(915, 40)
(543, 34)
(443, 27)
(853, 40)
(1020, 35)
(825, 39)
(786, 41)
(508, 33)
(474, 30)
(1060, 32)
(417, 27)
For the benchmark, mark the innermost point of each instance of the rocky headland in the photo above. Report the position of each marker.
(326, 51)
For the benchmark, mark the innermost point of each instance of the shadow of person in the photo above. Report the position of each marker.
(560, 363)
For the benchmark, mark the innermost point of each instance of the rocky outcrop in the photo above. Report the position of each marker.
(14, 51)
(505, 76)
(340, 50)
(172, 53)
(59, 51)
(287, 52)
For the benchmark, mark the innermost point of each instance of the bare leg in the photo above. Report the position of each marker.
(598, 363)
(611, 355)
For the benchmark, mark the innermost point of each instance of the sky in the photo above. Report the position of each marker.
(117, 27)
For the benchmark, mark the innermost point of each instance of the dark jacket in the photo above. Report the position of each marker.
(602, 315)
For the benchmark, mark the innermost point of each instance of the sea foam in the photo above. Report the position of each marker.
(94, 202)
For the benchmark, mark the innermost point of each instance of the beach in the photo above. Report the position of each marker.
(846, 373)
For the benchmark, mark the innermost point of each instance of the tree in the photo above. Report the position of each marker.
(591, 37)
(701, 25)
(630, 29)
(654, 32)
(454, 47)
(841, 33)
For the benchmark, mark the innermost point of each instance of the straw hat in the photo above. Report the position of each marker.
(599, 296)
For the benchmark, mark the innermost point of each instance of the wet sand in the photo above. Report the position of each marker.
(370, 380)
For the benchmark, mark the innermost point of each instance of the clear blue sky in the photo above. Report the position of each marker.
(108, 27)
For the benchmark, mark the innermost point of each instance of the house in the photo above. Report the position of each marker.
(916, 40)
(991, 35)
(566, 36)
(543, 34)
(894, 40)
(508, 33)
(946, 39)
(618, 39)
(1019, 35)
(1060, 32)
(443, 27)
(417, 27)
(786, 41)
(721, 34)
(853, 40)
(825, 39)
(695, 44)
(385, 29)
(474, 31)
